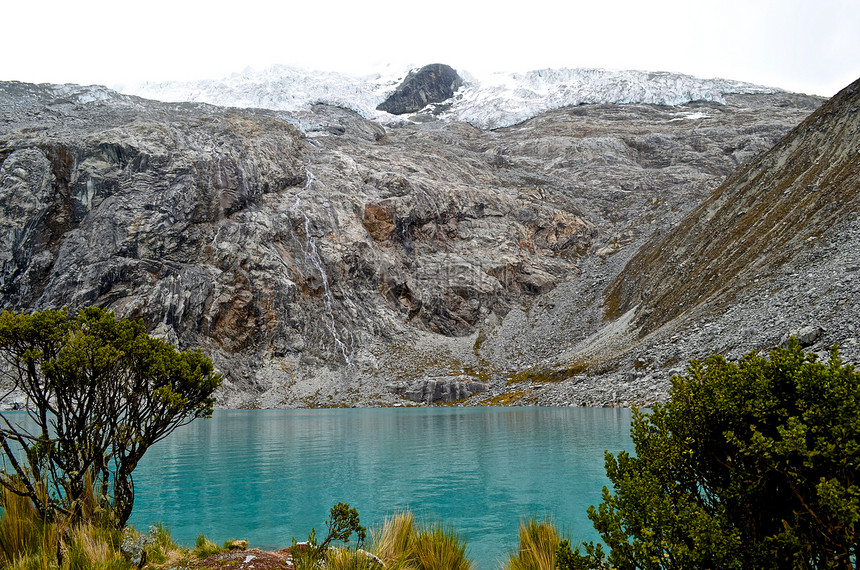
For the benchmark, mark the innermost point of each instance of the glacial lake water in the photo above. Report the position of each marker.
(270, 475)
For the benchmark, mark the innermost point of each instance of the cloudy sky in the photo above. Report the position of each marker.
(810, 46)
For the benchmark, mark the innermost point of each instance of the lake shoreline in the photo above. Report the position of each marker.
(480, 470)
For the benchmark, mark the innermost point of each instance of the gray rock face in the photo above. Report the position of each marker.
(318, 266)
(432, 83)
(433, 391)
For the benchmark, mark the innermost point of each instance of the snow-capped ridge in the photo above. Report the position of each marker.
(502, 100)
(487, 102)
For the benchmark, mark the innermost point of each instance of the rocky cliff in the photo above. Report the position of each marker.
(321, 258)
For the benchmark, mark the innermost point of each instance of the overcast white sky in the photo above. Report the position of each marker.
(810, 46)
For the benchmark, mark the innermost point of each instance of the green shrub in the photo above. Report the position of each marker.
(342, 522)
(754, 464)
(102, 391)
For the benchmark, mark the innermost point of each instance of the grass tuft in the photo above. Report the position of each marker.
(539, 542)
(22, 531)
(441, 548)
(29, 542)
(395, 541)
(91, 548)
(204, 548)
(402, 545)
(351, 559)
(162, 547)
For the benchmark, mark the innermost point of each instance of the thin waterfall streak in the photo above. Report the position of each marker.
(429, 199)
(309, 248)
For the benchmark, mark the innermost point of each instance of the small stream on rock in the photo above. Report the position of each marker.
(343, 340)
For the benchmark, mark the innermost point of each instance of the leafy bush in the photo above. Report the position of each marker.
(100, 392)
(342, 522)
(754, 464)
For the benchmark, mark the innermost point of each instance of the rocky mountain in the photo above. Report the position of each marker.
(324, 258)
(773, 252)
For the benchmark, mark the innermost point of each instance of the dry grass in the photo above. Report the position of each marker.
(402, 545)
(394, 542)
(440, 548)
(22, 531)
(350, 559)
(29, 542)
(505, 399)
(538, 545)
(90, 547)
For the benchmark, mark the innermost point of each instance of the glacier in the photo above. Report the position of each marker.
(489, 101)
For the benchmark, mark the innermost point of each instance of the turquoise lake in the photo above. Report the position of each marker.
(270, 475)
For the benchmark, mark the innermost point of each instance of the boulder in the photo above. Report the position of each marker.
(806, 336)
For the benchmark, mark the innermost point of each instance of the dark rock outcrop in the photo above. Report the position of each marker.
(432, 83)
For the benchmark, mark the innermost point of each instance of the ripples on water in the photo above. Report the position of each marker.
(271, 475)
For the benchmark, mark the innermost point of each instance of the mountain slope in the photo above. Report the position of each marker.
(763, 217)
(773, 252)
